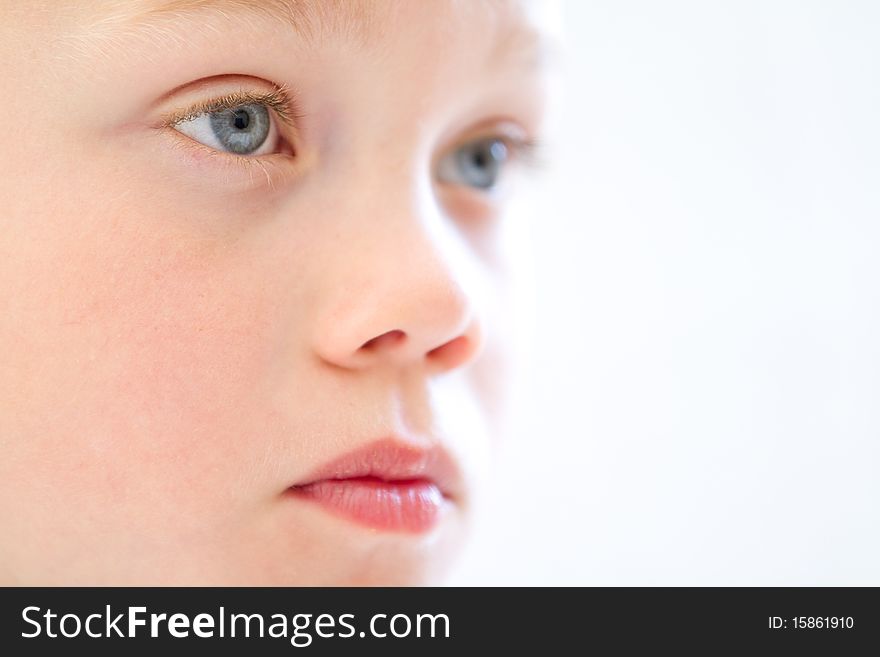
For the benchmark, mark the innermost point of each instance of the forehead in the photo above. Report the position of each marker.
(519, 25)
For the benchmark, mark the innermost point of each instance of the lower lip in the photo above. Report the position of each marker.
(413, 506)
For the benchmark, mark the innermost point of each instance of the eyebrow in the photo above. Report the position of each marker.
(310, 20)
(307, 18)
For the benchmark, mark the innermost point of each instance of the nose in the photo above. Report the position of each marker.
(404, 297)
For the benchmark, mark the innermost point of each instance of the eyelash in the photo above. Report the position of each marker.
(271, 168)
(527, 151)
(278, 100)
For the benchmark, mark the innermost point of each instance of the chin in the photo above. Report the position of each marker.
(327, 551)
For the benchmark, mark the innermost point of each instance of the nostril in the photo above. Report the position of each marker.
(388, 339)
(452, 352)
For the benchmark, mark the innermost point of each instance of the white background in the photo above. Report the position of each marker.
(704, 405)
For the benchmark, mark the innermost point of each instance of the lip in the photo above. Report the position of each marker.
(389, 485)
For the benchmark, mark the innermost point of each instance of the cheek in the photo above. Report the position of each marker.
(142, 363)
(510, 312)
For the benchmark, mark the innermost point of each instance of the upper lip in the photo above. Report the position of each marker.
(392, 459)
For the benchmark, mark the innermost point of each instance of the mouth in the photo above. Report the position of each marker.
(388, 485)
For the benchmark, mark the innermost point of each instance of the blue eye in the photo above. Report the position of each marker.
(242, 130)
(476, 164)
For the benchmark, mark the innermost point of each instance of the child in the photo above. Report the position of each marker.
(254, 272)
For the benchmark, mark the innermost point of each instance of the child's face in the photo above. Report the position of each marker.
(240, 256)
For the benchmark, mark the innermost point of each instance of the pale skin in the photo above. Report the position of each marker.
(188, 332)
